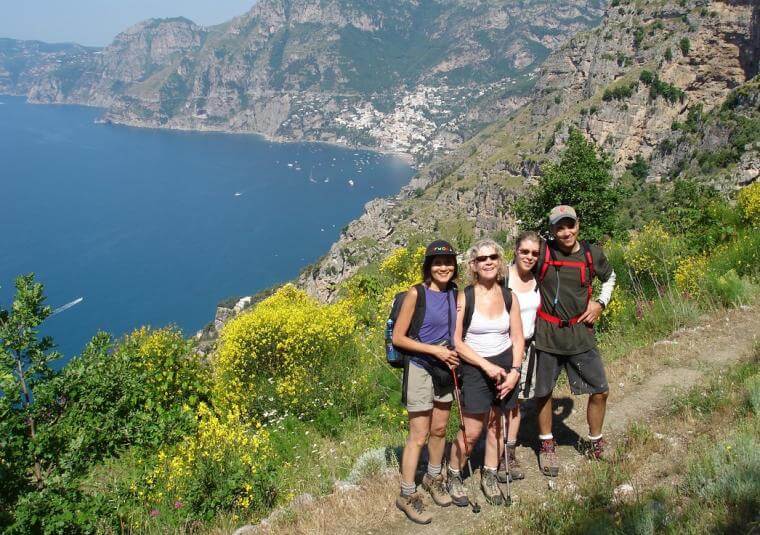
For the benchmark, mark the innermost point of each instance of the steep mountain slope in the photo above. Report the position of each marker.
(411, 76)
(695, 54)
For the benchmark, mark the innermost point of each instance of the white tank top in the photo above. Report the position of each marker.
(488, 337)
(529, 302)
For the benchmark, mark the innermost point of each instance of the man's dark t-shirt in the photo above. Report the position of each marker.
(571, 301)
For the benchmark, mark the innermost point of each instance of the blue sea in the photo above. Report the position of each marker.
(134, 227)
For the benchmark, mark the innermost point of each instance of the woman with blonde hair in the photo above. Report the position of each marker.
(489, 341)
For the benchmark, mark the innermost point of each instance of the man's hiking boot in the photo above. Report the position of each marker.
(515, 470)
(597, 450)
(490, 488)
(437, 489)
(413, 508)
(456, 490)
(547, 458)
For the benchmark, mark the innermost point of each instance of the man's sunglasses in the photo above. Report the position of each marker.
(483, 258)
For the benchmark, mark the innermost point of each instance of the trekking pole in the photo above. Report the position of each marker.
(508, 497)
(473, 503)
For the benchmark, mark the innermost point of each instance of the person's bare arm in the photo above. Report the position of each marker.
(401, 328)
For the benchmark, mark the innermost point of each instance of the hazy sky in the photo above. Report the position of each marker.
(96, 22)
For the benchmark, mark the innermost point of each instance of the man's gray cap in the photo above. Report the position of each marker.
(562, 212)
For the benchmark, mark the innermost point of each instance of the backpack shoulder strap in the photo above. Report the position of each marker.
(547, 259)
(507, 295)
(469, 308)
(589, 260)
(418, 317)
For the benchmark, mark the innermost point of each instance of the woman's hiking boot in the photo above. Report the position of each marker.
(414, 508)
(547, 458)
(456, 490)
(515, 470)
(437, 489)
(490, 487)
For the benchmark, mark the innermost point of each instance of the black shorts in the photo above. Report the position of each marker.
(585, 372)
(479, 391)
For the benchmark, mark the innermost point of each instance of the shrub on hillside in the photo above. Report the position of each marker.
(225, 465)
(749, 203)
(691, 276)
(121, 393)
(289, 354)
(653, 253)
(581, 179)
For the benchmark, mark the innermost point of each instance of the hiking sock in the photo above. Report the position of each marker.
(489, 469)
(511, 443)
(454, 472)
(546, 437)
(434, 470)
(594, 438)
(407, 489)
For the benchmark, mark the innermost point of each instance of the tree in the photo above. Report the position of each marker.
(24, 358)
(581, 179)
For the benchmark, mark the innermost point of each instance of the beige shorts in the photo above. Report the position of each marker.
(419, 390)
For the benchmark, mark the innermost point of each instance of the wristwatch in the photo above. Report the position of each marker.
(518, 369)
(604, 305)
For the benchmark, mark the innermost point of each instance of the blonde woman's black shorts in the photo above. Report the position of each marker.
(479, 391)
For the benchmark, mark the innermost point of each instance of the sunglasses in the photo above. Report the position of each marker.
(526, 252)
(483, 258)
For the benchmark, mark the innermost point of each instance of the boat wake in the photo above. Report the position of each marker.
(67, 306)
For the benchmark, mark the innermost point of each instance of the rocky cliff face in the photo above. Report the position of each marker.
(695, 54)
(407, 76)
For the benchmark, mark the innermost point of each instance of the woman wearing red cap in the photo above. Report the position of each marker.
(427, 385)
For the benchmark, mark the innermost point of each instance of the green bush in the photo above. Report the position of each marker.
(685, 45)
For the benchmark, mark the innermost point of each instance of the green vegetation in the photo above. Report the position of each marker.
(658, 88)
(620, 92)
(685, 45)
(582, 179)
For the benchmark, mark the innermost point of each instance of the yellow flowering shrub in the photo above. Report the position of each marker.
(691, 276)
(274, 357)
(169, 368)
(620, 311)
(653, 252)
(404, 266)
(223, 466)
(749, 202)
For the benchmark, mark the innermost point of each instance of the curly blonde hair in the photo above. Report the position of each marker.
(472, 253)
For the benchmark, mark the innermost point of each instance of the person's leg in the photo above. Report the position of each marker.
(473, 425)
(437, 438)
(419, 426)
(433, 480)
(494, 451)
(514, 469)
(494, 440)
(544, 407)
(513, 425)
(597, 406)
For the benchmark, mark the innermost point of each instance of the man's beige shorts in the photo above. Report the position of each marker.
(419, 391)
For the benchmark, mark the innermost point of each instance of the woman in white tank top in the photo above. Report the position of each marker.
(522, 282)
(491, 348)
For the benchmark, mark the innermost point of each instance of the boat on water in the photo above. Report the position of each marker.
(350, 182)
(238, 194)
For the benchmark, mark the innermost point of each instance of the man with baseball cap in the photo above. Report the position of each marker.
(565, 329)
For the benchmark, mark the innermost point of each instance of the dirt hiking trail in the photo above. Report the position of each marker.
(642, 384)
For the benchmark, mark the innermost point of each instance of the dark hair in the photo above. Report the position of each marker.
(527, 235)
(427, 265)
